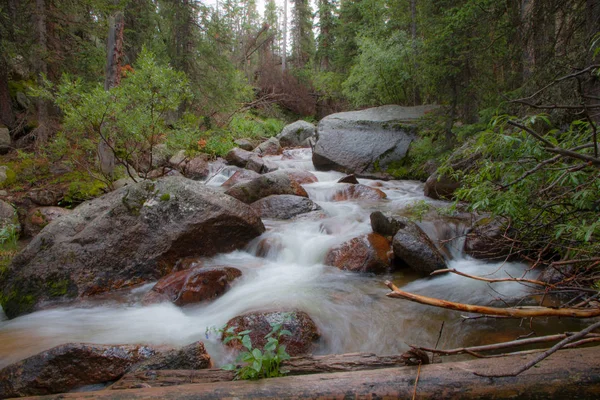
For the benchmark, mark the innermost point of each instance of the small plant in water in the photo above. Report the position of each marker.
(258, 364)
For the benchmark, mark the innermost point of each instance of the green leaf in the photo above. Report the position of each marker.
(247, 342)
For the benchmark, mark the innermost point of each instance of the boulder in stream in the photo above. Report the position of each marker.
(192, 285)
(349, 179)
(278, 182)
(486, 240)
(69, 366)
(269, 147)
(365, 142)
(191, 357)
(416, 249)
(130, 236)
(303, 330)
(349, 191)
(296, 134)
(284, 206)
(243, 175)
(385, 225)
(366, 253)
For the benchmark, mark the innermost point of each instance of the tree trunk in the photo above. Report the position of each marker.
(296, 366)
(41, 64)
(285, 30)
(7, 116)
(526, 30)
(569, 374)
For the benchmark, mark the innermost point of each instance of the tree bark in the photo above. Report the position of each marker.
(285, 30)
(7, 117)
(114, 50)
(575, 374)
(41, 64)
(296, 366)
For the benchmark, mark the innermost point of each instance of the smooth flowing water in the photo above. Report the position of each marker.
(351, 310)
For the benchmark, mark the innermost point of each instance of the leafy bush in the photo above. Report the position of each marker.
(258, 363)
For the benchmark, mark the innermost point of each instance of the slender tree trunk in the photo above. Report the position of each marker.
(413, 30)
(527, 56)
(285, 30)
(7, 116)
(592, 21)
(112, 78)
(42, 70)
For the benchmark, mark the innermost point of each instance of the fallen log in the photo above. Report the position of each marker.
(573, 374)
(295, 366)
(513, 312)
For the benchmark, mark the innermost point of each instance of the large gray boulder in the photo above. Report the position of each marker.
(296, 134)
(130, 236)
(365, 142)
(284, 206)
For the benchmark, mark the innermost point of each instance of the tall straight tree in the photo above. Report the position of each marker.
(327, 23)
(41, 67)
(303, 41)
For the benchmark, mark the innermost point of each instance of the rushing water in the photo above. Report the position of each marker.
(351, 310)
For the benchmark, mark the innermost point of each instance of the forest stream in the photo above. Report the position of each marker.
(350, 309)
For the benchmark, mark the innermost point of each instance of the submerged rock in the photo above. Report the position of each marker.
(126, 237)
(414, 247)
(192, 285)
(296, 134)
(283, 206)
(367, 141)
(366, 253)
(303, 330)
(350, 191)
(278, 182)
(69, 366)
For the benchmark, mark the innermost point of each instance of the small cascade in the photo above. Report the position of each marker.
(284, 268)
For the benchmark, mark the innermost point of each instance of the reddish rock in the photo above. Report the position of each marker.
(366, 253)
(303, 330)
(238, 157)
(193, 285)
(197, 168)
(278, 182)
(243, 175)
(302, 176)
(349, 179)
(37, 218)
(270, 147)
(358, 192)
(69, 366)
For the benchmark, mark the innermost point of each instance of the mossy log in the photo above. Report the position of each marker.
(567, 374)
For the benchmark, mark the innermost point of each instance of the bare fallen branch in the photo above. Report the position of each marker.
(515, 312)
(547, 353)
(491, 280)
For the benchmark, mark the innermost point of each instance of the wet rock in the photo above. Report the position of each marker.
(258, 164)
(349, 179)
(366, 253)
(283, 206)
(296, 134)
(192, 285)
(37, 218)
(415, 249)
(385, 225)
(440, 187)
(365, 142)
(358, 192)
(190, 357)
(270, 147)
(197, 167)
(302, 176)
(243, 175)
(486, 241)
(244, 144)
(268, 245)
(278, 182)
(129, 236)
(238, 157)
(69, 366)
(5, 141)
(303, 330)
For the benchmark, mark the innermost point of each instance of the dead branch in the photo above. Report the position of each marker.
(491, 280)
(545, 354)
(505, 345)
(514, 312)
